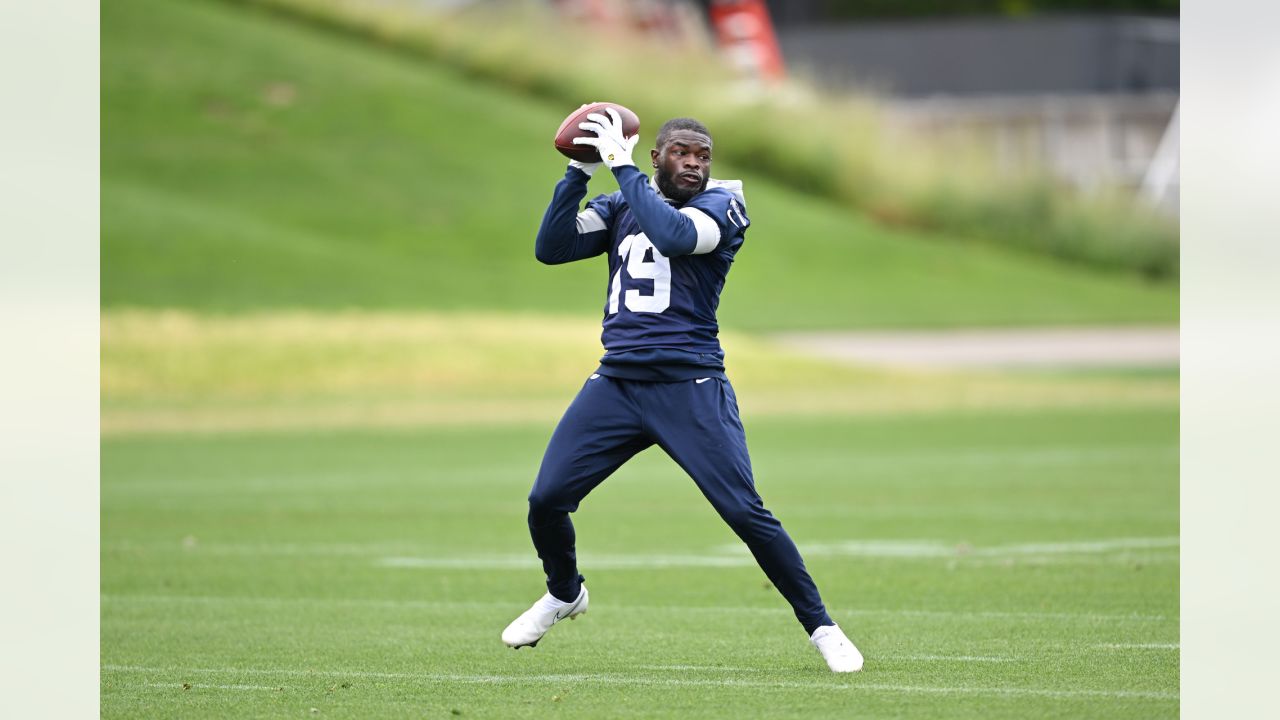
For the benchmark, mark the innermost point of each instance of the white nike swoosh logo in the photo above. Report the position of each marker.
(699, 381)
(567, 610)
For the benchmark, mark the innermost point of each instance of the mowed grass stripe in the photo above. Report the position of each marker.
(452, 606)
(176, 371)
(728, 556)
(899, 463)
(619, 679)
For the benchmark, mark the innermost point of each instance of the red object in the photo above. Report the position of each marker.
(745, 34)
(569, 130)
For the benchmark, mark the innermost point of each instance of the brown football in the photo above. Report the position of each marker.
(569, 130)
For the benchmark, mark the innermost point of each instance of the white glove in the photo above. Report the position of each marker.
(615, 150)
(588, 168)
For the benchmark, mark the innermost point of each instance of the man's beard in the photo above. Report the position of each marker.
(672, 191)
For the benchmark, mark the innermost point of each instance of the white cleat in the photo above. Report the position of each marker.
(533, 623)
(836, 649)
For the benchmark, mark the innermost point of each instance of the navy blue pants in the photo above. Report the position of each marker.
(694, 422)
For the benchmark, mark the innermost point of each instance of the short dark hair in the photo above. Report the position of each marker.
(680, 123)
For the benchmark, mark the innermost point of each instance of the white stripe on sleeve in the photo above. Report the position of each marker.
(708, 230)
(590, 221)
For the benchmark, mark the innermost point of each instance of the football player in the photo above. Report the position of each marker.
(670, 241)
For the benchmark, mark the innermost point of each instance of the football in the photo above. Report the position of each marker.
(569, 130)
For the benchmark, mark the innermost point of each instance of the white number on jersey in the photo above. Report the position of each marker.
(631, 252)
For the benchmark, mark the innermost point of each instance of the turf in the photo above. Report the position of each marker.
(250, 162)
(994, 565)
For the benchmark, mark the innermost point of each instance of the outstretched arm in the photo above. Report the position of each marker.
(686, 231)
(566, 234)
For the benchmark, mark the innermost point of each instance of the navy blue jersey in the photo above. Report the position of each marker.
(667, 266)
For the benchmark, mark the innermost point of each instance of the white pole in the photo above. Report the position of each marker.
(1163, 170)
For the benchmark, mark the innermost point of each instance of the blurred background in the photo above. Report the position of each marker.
(314, 202)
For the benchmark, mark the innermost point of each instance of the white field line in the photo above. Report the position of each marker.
(986, 457)
(203, 686)
(926, 550)
(937, 548)
(969, 515)
(735, 555)
(596, 562)
(1109, 550)
(953, 658)
(878, 657)
(1140, 646)
(1143, 558)
(660, 562)
(701, 668)
(453, 606)
(985, 510)
(617, 679)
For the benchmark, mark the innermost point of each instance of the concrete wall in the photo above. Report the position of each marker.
(1086, 140)
(1089, 98)
(990, 56)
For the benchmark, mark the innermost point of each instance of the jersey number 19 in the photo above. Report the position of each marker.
(631, 253)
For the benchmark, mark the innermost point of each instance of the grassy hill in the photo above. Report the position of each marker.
(252, 163)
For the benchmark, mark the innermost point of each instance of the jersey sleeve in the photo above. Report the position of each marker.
(598, 214)
(720, 218)
(565, 234)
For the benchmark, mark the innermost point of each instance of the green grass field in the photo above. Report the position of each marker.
(1005, 565)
